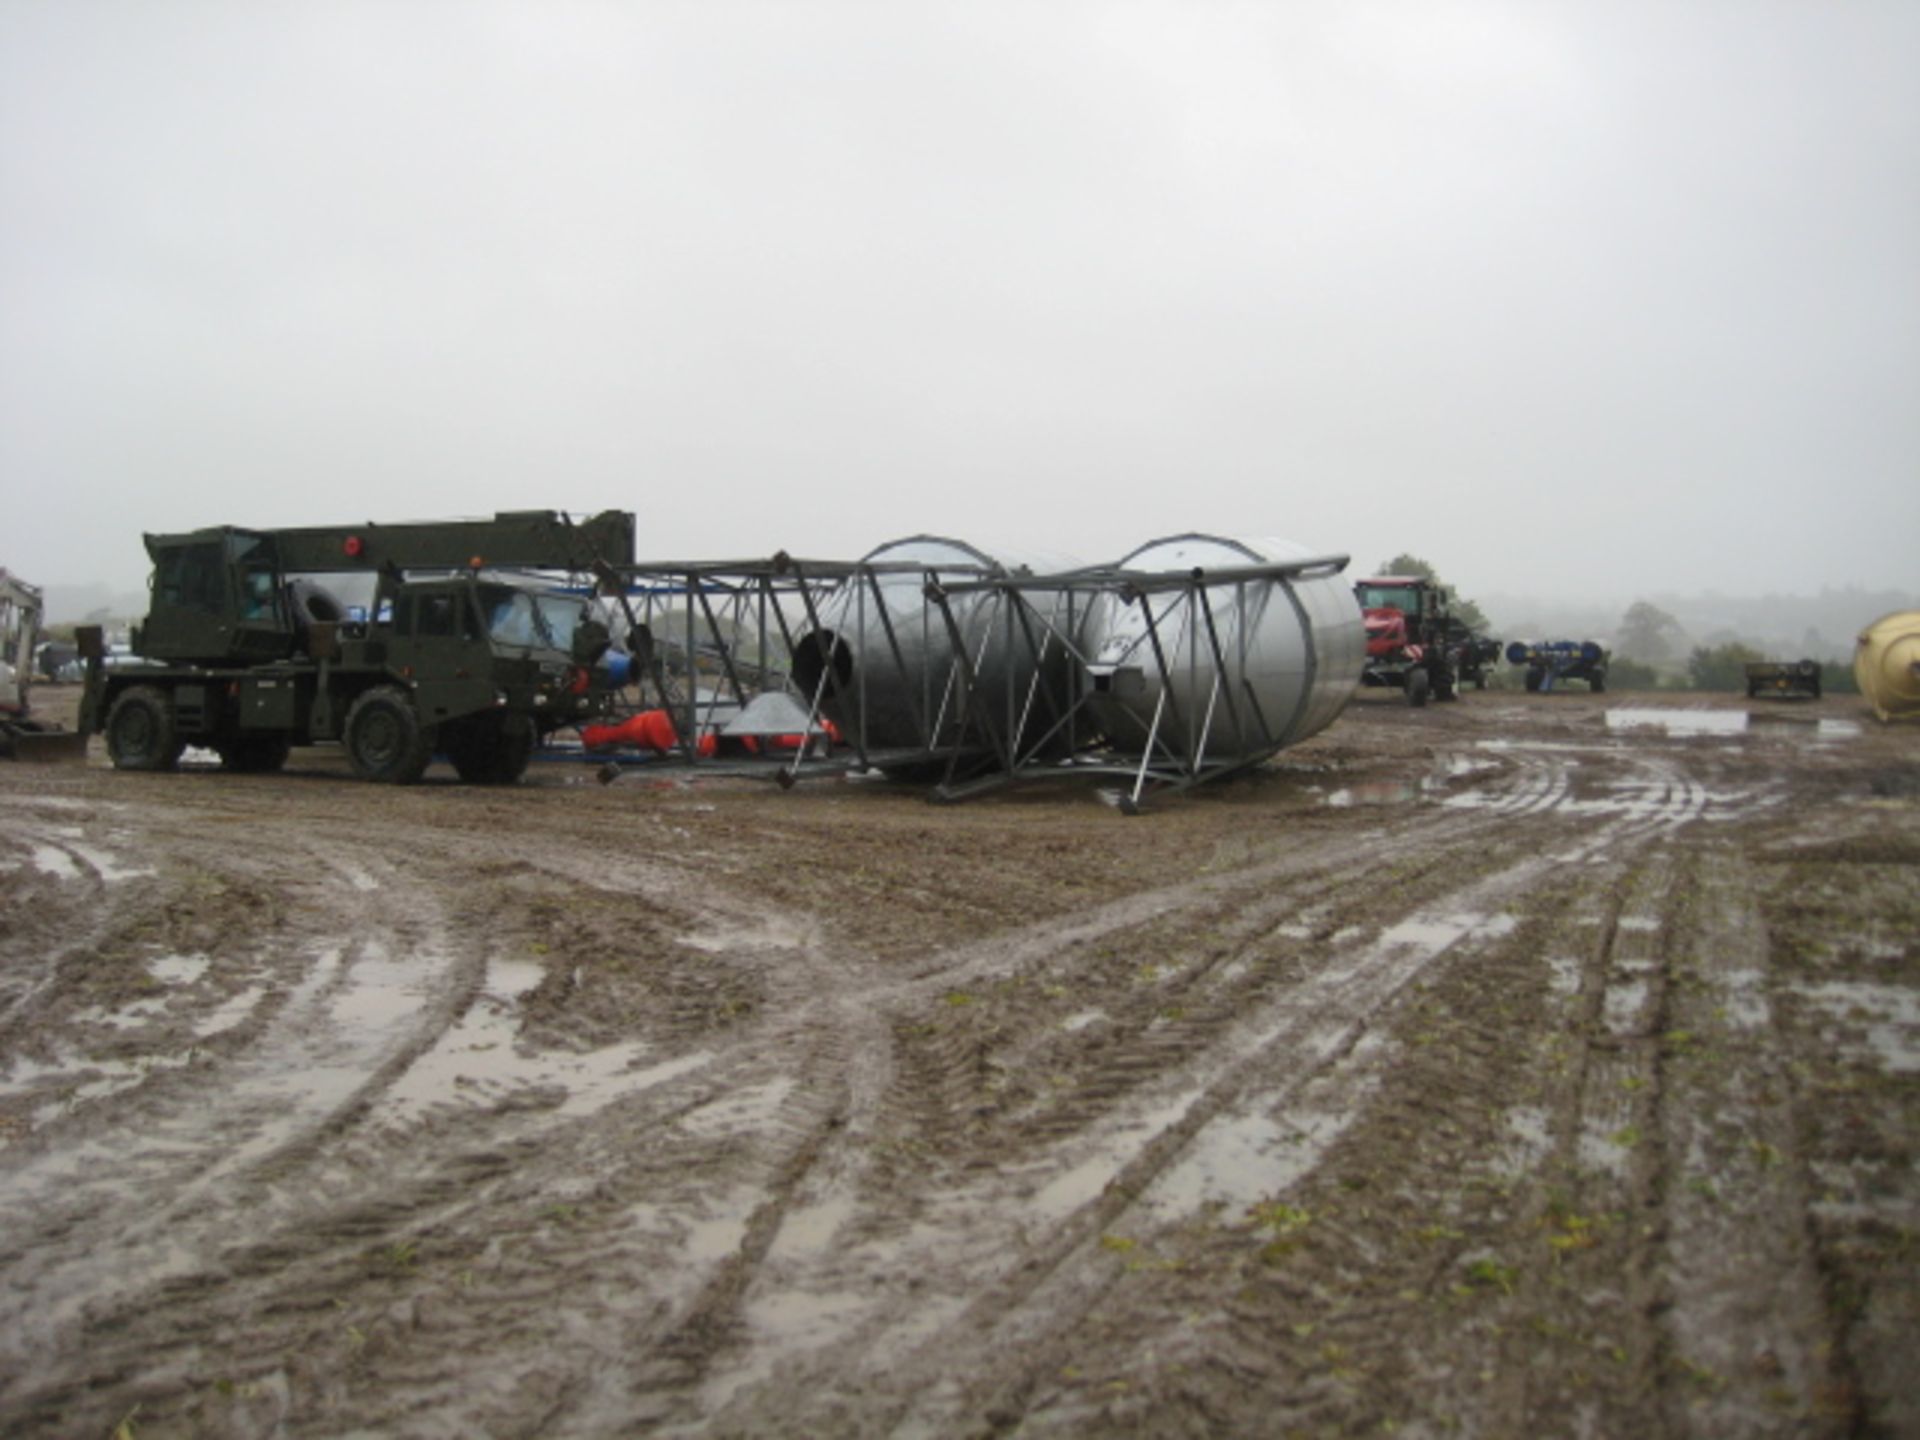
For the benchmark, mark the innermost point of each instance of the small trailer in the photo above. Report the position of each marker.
(1783, 680)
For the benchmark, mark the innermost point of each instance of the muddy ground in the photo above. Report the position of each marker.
(1482, 1070)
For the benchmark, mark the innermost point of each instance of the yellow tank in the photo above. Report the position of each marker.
(1886, 662)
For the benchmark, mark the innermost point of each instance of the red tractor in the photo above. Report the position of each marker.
(1410, 641)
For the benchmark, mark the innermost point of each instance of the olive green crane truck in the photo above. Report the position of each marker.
(245, 650)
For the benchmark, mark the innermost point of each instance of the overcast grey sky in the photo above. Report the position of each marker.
(1584, 299)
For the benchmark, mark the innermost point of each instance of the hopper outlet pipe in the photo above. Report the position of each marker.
(1232, 670)
(900, 664)
(1886, 663)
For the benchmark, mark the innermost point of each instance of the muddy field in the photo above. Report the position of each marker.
(1494, 1069)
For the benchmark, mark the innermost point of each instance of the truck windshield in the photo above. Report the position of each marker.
(1380, 597)
(523, 618)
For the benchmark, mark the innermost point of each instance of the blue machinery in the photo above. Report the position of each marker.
(1552, 661)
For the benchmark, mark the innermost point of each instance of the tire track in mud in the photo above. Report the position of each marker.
(232, 1134)
(1524, 1261)
(934, 1097)
(1744, 1362)
(813, 1142)
(1326, 1017)
(726, 1234)
(50, 864)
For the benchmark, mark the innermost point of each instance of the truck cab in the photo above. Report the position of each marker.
(1406, 620)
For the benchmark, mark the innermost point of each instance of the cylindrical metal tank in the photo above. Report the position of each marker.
(896, 684)
(1886, 662)
(1289, 651)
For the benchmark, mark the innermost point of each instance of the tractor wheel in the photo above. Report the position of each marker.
(254, 754)
(1446, 685)
(140, 730)
(1597, 683)
(1536, 677)
(492, 749)
(1418, 684)
(385, 740)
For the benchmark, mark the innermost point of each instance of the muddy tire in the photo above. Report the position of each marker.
(1419, 684)
(1597, 684)
(141, 733)
(1536, 677)
(254, 754)
(385, 740)
(492, 749)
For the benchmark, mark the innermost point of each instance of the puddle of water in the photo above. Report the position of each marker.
(1235, 1163)
(1437, 932)
(53, 861)
(1293, 930)
(1374, 792)
(1071, 1189)
(1081, 1021)
(773, 933)
(810, 1229)
(230, 1013)
(1624, 1004)
(1564, 974)
(1641, 923)
(714, 1237)
(109, 868)
(178, 969)
(477, 1060)
(1679, 722)
(379, 992)
(1837, 730)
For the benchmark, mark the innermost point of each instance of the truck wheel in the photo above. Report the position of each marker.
(1597, 684)
(492, 749)
(1418, 684)
(140, 731)
(255, 754)
(1536, 677)
(385, 740)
